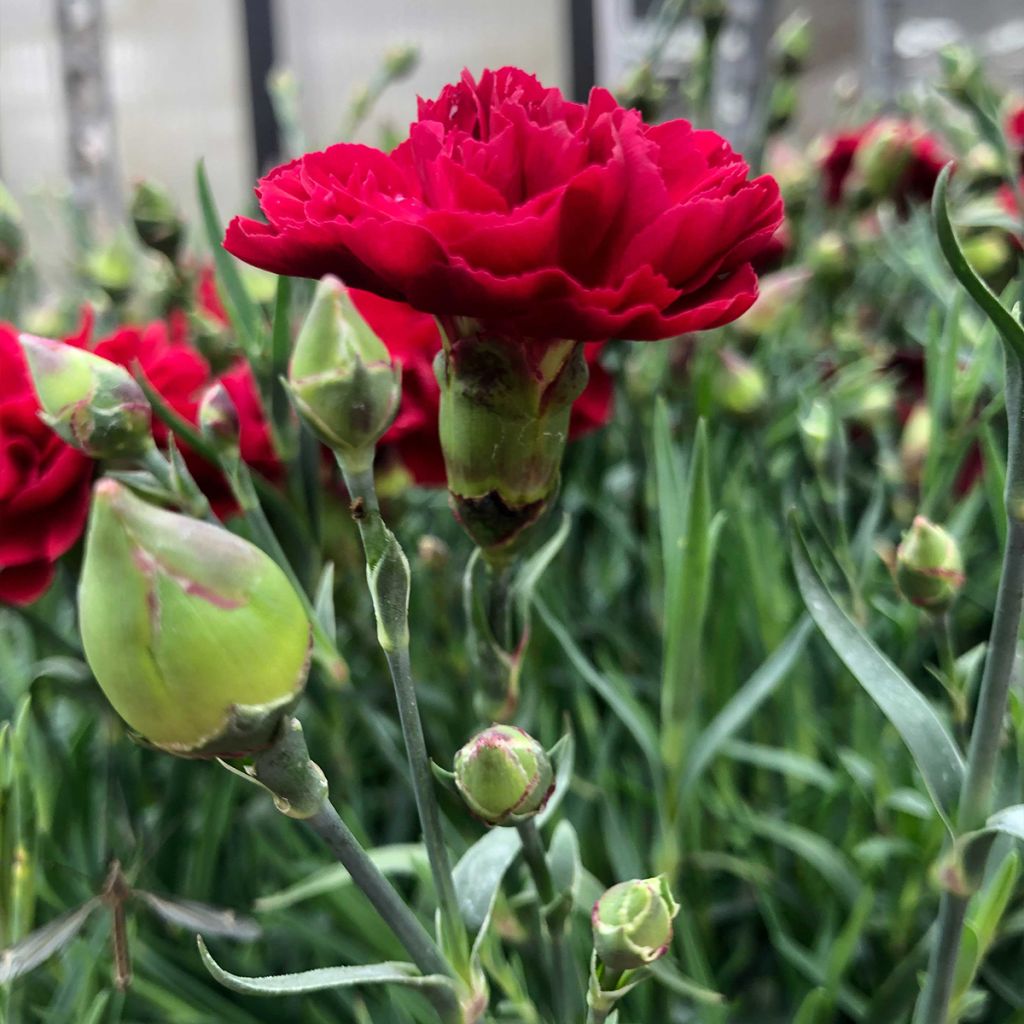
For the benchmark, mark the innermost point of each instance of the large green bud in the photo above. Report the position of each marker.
(504, 775)
(195, 635)
(341, 377)
(93, 404)
(12, 235)
(504, 423)
(632, 923)
(929, 566)
(156, 219)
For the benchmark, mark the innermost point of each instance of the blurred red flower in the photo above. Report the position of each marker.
(413, 340)
(44, 484)
(539, 217)
(1015, 132)
(180, 375)
(888, 157)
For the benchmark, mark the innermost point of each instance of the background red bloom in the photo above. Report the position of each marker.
(181, 375)
(915, 159)
(413, 340)
(537, 216)
(44, 484)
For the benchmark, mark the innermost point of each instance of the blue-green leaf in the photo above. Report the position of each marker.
(926, 737)
(388, 973)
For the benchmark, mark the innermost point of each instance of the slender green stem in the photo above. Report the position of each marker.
(379, 544)
(244, 490)
(983, 753)
(157, 463)
(609, 981)
(554, 917)
(300, 791)
(328, 825)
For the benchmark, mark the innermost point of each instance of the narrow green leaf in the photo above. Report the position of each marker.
(323, 602)
(742, 705)
(815, 1009)
(402, 860)
(627, 708)
(1009, 328)
(245, 316)
(926, 737)
(667, 974)
(388, 973)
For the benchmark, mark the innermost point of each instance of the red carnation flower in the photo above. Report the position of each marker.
(413, 340)
(1015, 132)
(44, 484)
(536, 216)
(889, 158)
(180, 375)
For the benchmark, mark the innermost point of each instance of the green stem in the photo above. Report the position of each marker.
(244, 490)
(553, 914)
(609, 981)
(986, 734)
(300, 790)
(379, 544)
(196, 504)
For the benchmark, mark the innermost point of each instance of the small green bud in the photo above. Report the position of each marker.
(915, 442)
(792, 43)
(883, 157)
(504, 775)
(12, 236)
(829, 259)
(112, 267)
(632, 923)
(93, 404)
(738, 385)
(156, 219)
(817, 431)
(961, 71)
(218, 419)
(341, 376)
(779, 296)
(781, 104)
(929, 566)
(195, 636)
(401, 61)
(988, 252)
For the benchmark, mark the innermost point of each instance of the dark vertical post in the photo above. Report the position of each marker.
(91, 135)
(581, 35)
(259, 36)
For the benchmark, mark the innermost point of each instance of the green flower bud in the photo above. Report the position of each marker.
(883, 157)
(829, 259)
(112, 267)
(988, 252)
(929, 566)
(961, 71)
(93, 404)
(781, 104)
(195, 636)
(632, 923)
(401, 61)
(12, 236)
(218, 419)
(156, 219)
(779, 295)
(341, 376)
(915, 442)
(792, 43)
(817, 431)
(738, 385)
(504, 775)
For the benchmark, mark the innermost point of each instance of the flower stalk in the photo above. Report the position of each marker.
(983, 752)
(387, 572)
(300, 791)
(554, 912)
